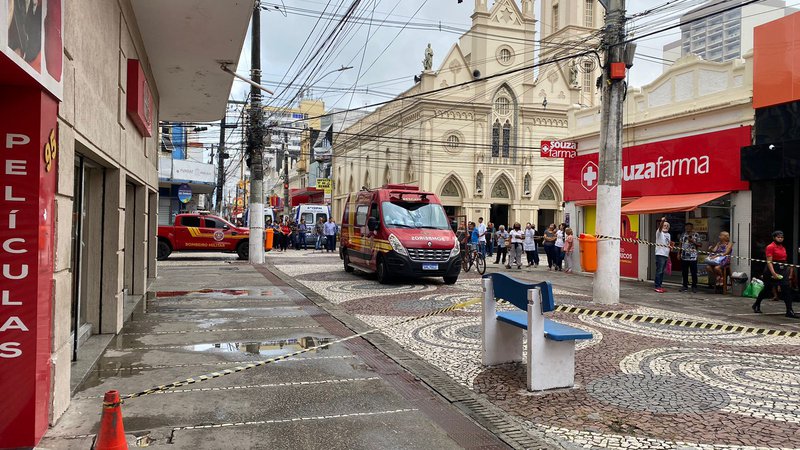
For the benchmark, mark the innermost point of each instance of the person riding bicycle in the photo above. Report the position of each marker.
(464, 237)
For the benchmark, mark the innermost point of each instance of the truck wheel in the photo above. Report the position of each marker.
(383, 272)
(346, 258)
(163, 250)
(451, 280)
(243, 250)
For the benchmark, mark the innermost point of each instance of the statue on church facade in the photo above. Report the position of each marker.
(573, 74)
(427, 63)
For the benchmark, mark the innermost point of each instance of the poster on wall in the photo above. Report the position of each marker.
(628, 251)
(31, 38)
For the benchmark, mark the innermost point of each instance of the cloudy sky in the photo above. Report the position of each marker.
(385, 57)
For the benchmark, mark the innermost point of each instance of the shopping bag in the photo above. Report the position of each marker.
(753, 288)
(668, 269)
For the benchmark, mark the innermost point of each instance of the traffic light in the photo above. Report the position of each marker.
(286, 185)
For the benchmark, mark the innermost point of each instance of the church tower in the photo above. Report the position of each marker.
(568, 27)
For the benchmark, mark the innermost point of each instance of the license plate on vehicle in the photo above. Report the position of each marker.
(430, 267)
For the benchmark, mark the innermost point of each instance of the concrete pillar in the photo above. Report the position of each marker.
(152, 231)
(140, 224)
(113, 243)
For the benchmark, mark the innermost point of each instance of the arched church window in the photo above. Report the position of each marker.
(506, 139)
(450, 190)
(502, 105)
(496, 138)
(500, 190)
(547, 194)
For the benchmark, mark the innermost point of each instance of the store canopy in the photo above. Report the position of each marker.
(670, 203)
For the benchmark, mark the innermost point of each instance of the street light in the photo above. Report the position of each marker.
(340, 69)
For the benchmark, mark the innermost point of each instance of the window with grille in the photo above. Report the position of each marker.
(588, 14)
(555, 18)
(502, 105)
(506, 139)
(587, 77)
(496, 139)
(505, 56)
(453, 142)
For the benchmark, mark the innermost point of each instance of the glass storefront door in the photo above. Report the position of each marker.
(709, 220)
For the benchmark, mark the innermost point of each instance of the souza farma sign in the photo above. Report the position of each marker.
(558, 149)
(693, 164)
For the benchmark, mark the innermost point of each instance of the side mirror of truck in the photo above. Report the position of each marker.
(373, 224)
(454, 226)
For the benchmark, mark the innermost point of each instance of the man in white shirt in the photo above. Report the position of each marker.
(481, 236)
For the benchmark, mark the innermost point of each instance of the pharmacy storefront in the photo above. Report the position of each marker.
(692, 179)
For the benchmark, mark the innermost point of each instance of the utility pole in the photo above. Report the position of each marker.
(255, 145)
(221, 163)
(609, 188)
(285, 175)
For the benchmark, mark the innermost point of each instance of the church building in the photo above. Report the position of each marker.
(470, 129)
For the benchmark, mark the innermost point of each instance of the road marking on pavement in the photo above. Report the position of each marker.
(213, 330)
(295, 419)
(254, 364)
(251, 386)
(624, 315)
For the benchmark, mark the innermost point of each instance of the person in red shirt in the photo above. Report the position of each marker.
(777, 274)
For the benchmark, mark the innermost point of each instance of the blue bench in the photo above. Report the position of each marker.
(551, 345)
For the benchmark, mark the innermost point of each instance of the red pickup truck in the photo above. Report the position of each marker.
(202, 232)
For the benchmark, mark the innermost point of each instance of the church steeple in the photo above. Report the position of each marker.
(564, 25)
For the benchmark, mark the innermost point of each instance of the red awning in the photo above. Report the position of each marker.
(670, 203)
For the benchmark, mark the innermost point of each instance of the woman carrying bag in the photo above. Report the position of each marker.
(777, 274)
(550, 246)
(529, 246)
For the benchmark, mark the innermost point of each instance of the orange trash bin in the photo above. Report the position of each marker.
(268, 237)
(588, 245)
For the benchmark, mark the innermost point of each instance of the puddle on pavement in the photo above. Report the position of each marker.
(264, 348)
(231, 292)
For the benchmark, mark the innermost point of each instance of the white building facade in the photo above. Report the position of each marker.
(473, 137)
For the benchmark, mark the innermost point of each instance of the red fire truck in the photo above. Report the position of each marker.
(202, 232)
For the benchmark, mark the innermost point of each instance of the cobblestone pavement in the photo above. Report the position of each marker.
(638, 385)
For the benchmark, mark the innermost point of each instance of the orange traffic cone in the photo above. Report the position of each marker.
(111, 435)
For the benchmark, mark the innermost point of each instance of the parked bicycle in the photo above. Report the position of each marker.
(473, 257)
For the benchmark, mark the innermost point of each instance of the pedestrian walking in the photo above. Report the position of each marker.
(569, 247)
(490, 232)
(719, 259)
(330, 235)
(662, 252)
(689, 242)
(286, 230)
(549, 245)
(777, 274)
(529, 246)
(481, 229)
(501, 236)
(319, 229)
(560, 245)
(517, 239)
(302, 230)
(295, 233)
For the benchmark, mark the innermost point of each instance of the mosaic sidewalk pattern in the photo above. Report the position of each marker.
(638, 385)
